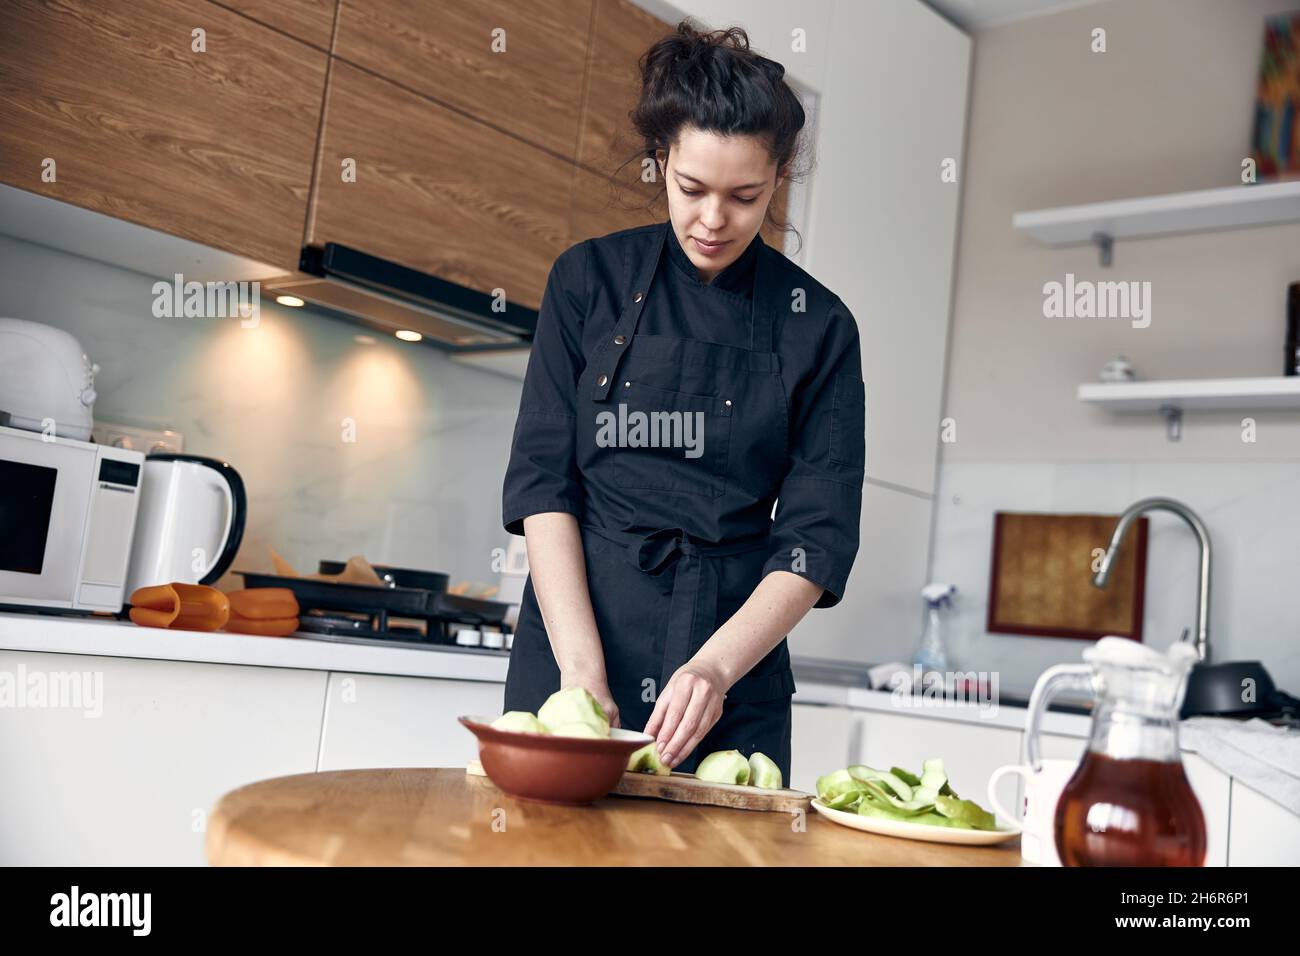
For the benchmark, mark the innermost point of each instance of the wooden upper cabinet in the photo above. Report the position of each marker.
(437, 191)
(215, 147)
(621, 33)
(602, 205)
(311, 21)
(445, 50)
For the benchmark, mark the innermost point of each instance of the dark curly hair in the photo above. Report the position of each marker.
(716, 83)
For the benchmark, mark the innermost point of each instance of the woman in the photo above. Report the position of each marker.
(685, 377)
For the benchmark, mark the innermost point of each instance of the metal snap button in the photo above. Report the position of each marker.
(602, 379)
(619, 339)
(728, 403)
(638, 297)
(627, 384)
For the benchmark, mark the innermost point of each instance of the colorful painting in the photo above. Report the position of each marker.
(1276, 140)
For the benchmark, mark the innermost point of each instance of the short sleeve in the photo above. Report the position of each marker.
(815, 529)
(542, 474)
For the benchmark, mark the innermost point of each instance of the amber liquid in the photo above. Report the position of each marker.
(1129, 813)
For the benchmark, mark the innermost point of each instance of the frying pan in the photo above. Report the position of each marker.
(395, 577)
(381, 601)
(1235, 689)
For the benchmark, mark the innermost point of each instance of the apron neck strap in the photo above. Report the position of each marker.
(762, 313)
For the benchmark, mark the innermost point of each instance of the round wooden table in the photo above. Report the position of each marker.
(443, 817)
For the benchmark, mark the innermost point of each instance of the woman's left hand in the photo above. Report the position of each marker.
(686, 710)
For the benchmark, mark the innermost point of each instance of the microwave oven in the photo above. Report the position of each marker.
(67, 518)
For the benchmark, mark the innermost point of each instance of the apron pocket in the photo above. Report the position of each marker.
(669, 441)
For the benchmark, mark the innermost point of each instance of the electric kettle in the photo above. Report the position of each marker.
(190, 521)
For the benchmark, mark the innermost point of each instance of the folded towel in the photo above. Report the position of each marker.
(1259, 754)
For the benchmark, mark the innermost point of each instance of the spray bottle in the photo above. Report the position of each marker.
(931, 656)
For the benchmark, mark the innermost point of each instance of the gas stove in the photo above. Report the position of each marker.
(392, 615)
(342, 629)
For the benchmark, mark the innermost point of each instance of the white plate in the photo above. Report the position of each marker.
(914, 831)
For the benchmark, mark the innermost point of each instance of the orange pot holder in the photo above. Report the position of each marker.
(269, 612)
(181, 607)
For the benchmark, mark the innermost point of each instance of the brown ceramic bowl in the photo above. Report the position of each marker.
(550, 769)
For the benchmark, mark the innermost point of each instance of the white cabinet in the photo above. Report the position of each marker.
(1263, 833)
(820, 742)
(1213, 789)
(133, 786)
(970, 752)
(884, 243)
(377, 721)
(884, 586)
(1211, 786)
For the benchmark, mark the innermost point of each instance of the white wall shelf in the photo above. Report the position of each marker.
(1174, 396)
(1231, 207)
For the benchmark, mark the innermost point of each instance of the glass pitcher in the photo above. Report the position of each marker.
(1129, 802)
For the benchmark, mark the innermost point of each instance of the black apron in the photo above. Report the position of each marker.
(659, 592)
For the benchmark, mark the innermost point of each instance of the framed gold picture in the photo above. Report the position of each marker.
(1041, 576)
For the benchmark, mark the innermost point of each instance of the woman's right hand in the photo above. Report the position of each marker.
(598, 688)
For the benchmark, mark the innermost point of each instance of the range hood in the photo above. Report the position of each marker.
(388, 297)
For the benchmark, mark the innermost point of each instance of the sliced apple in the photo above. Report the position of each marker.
(577, 730)
(574, 705)
(763, 772)
(647, 760)
(519, 720)
(723, 766)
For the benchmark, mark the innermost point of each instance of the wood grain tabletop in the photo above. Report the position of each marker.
(444, 817)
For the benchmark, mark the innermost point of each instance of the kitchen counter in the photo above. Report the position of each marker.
(108, 637)
(819, 682)
(845, 684)
(443, 817)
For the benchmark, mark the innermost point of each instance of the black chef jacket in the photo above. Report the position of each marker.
(766, 361)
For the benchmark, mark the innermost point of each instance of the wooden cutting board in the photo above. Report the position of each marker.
(684, 788)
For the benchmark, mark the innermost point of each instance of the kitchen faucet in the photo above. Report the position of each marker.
(1203, 536)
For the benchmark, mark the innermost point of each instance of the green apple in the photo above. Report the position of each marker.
(519, 720)
(647, 760)
(574, 705)
(723, 766)
(763, 772)
(965, 812)
(576, 730)
(837, 784)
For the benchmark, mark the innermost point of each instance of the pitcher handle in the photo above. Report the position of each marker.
(1076, 677)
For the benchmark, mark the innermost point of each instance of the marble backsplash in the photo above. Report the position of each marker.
(1250, 510)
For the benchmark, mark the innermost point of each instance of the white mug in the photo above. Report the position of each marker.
(1042, 793)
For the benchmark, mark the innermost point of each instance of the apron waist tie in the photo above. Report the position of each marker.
(694, 604)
